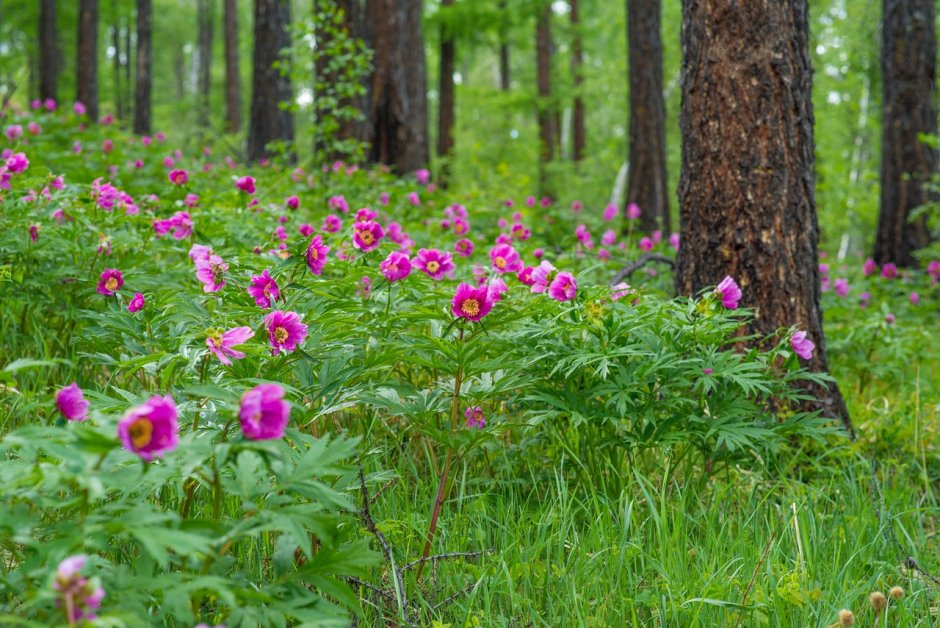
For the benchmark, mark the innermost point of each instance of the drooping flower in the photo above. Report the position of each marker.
(802, 345)
(396, 266)
(136, 304)
(221, 343)
(542, 276)
(730, 293)
(263, 413)
(80, 596)
(211, 273)
(365, 287)
(476, 419)
(285, 331)
(263, 289)
(316, 255)
(150, 430)
(111, 281)
(178, 176)
(505, 259)
(71, 403)
(471, 303)
(246, 184)
(434, 263)
(367, 235)
(563, 287)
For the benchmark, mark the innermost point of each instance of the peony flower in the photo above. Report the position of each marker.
(563, 287)
(802, 345)
(210, 272)
(933, 269)
(17, 163)
(542, 276)
(199, 253)
(463, 247)
(71, 403)
(80, 596)
(434, 263)
(889, 271)
(366, 235)
(674, 241)
(620, 291)
(110, 282)
(245, 184)
(646, 244)
(471, 303)
(331, 224)
(136, 304)
(609, 238)
(221, 343)
(364, 214)
(179, 223)
(633, 211)
(505, 259)
(495, 289)
(915, 298)
(525, 276)
(178, 177)
(841, 286)
(292, 202)
(520, 231)
(264, 289)
(476, 419)
(730, 293)
(285, 331)
(263, 413)
(610, 212)
(869, 267)
(150, 430)
(316, 255)
(414, 199)
(396, 266)
(423, 175)
(338, 203)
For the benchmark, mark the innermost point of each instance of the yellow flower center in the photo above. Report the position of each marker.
(141, 432)
(470, 307)
(111, 283)
(267, 290)
(366, 237)
(313, 253)
(280, 334)
(433, 266)
(500, 262)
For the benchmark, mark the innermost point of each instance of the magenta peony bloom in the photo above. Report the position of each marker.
(476, 419)
(542, 276)
(889, 271)
(210, 272)
(136, 304)
(79, 596)
(869, 267)
(563, 287)
(221, 343)
(505, 259)
(292, 202)
(338, 203)
(933, 269)
(263, 413)
(802, 345)
(396, 266)
(414, 199)
(34, 232)
(150, 430)
(365, 214)
(841, 286)
(179, 223)
(331, 224)
(423, 175)
(646, 244)
(610, 212)
(178, 177)
(609, 238)
(246, 184)
(730, 293)
(889, 318)
(471, 303)
(674, 241)
(264, 289)
(434, 263)
(71, 403)
(200, 254)
(633, 211)
(285, 331)
(495, 289)
(525, 276)
(520, 231)
(915, 298)
(316, 255)
(463, 247)
(111, 281)
(620, 291)
(367, 235)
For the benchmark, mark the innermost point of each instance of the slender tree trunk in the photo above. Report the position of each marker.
(116, 61)
(86, 75)
(577, 63)
(747, 187)
(269, 122)
(142, 122)
(504, 77)
(126, 62)
(205, 14)
(543, 50)
(398, 112)
(647, 185)
(445, 132)
(357, 27)
(48, 51)
(909, 71)
(233, 83)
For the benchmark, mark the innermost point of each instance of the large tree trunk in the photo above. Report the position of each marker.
(577, 61)
(747, 186)
(647, 185)
(269, 88)
(48, 51)
(144, 84)
(233, 83)
(205, 14)
(357, 27)
(909, 71)
(398, 111)
(86, 75)
(543, 54)
(445, 128)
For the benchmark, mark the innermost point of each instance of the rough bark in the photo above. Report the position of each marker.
(116, 60)
(747, 185)
(398, 109)
(909, 71)
(647, 185)
(543, 52)
(204, 16)
(445, 128)
(86, 75)
(233, 83)
(48, 51)
(504, 77)
(269, 122)
(577, 62)
(144, 78)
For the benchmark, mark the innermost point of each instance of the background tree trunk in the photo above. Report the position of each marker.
(543, 51)
(205, 15)
(86, 74)
(909, 71)
(445, 132)
(747, 186)
(233, 83)
(504, 77)
(269, 122)
(647, 185)
(116, 60)
(577, 61)
(49, 59)
(398, 111)
(142, 90)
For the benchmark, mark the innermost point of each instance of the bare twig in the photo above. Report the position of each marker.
(400, 596)
(753, 578)
(381, 490)
(361, 583)
(449, 556)
(641, 261)
(453, 597)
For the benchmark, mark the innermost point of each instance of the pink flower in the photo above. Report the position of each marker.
(306, 230)
(179, 223)
(730, 293)
(463, 247)
(34, 232)
(178, 177)
(285, 331)
(71, 403)
(505, 259)
(889, 271)
(210, 272)
(366, 235)
(802, 345)
(434, 263)
(423, 176)
(292, 202)
(674, 241)
(396, 266)
(495, 289)
(383, 198)
(609, 237)
(338, 203)
(221, 343)
(316, 255)
(646, 244)
(199, 253)
(150, 430)
(263, 413)
(17, 163)
(525, 276)
(107, 146)
(34, 128)
(332, 224)
(365, 287)
(471, 303)
(889, 318)
(110, 282)
(620, 291)
(869, 267)
(264, 289)
(246, 184)
(530, 201)
(79, 595)
(610, 212)
(476, 419)
(461, 226)
(191, 201)
(841, 286)
(933, 269)
(633, 211)
(136, 304)
(542, 276)
(365, 214)
(414, 199)
(563, 287)
(914, 297)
